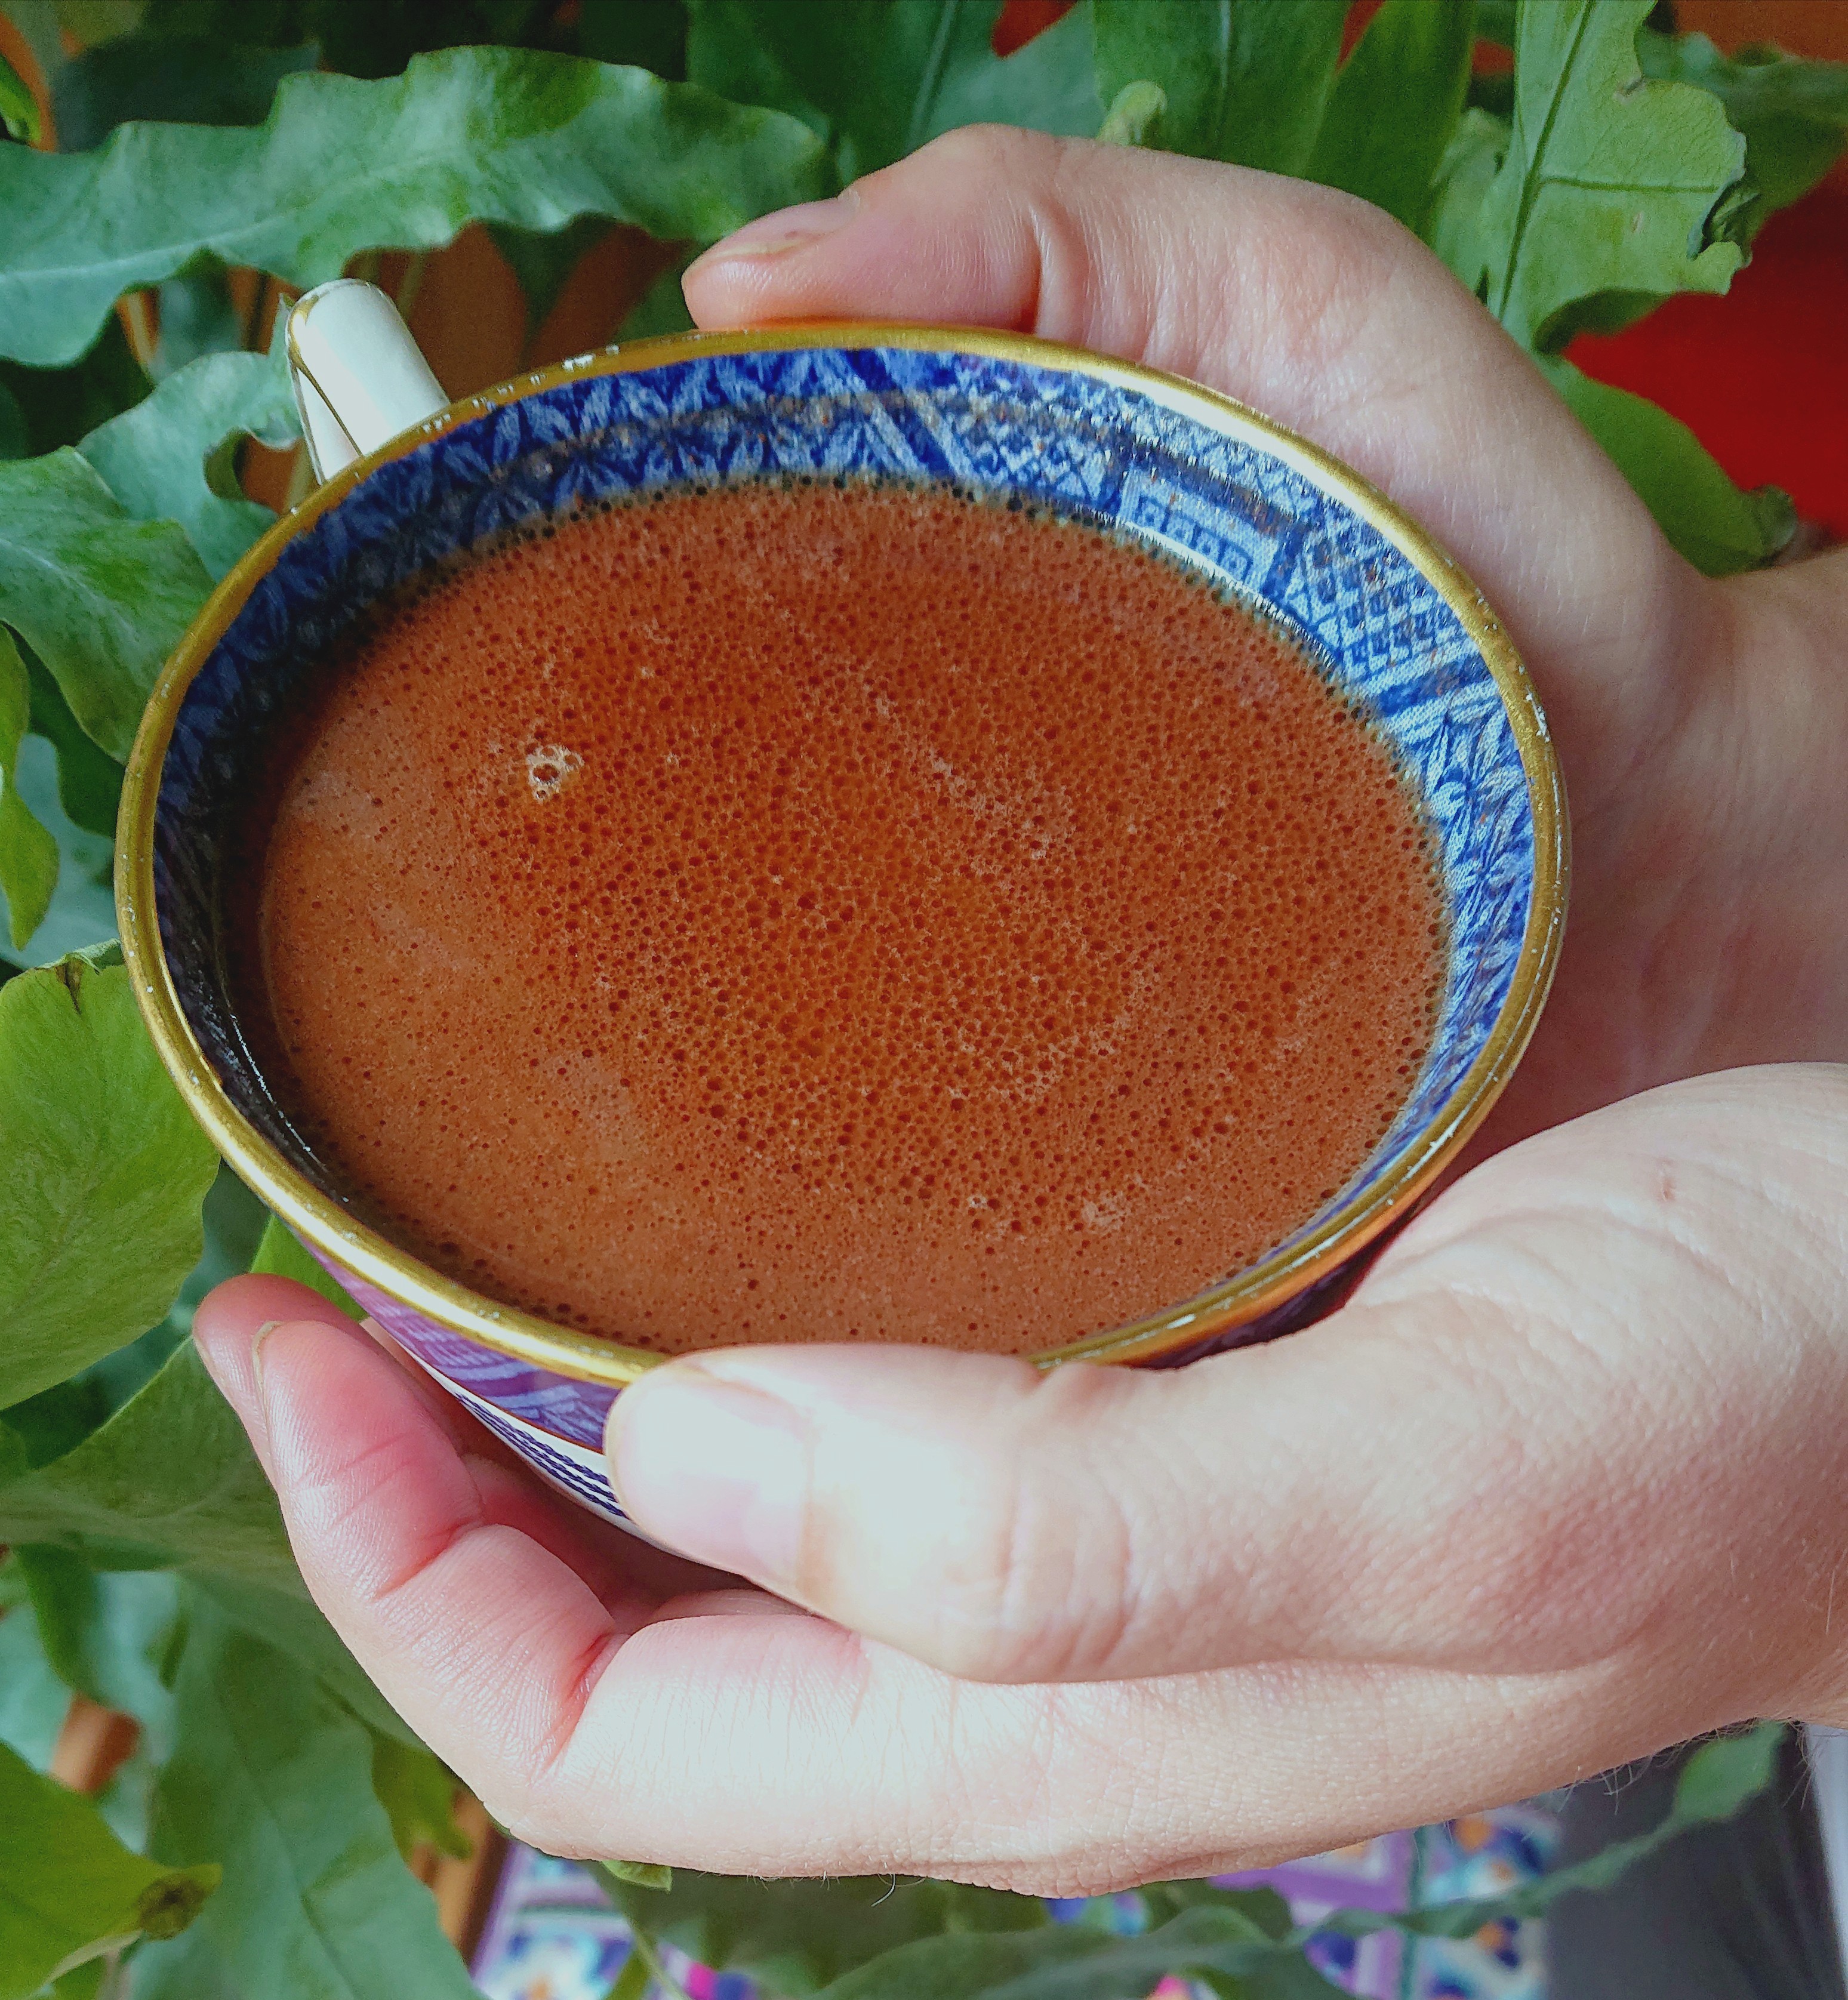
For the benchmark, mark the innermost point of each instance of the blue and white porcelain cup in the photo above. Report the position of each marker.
(1385, 612)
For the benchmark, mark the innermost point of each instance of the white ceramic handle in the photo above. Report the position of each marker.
(360, 378)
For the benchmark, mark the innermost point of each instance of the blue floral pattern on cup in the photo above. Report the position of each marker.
(1114, 453)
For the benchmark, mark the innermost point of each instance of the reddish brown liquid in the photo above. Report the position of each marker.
(818, 913)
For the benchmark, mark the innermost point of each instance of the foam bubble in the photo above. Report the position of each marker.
(825, 911)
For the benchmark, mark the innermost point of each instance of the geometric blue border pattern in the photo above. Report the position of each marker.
(1105, 453)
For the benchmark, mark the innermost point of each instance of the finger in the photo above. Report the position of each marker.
(784, 1747)
(481, 1606)
(1315, 308)
(1536, 1436)
(228, 1329)
(728, 1733)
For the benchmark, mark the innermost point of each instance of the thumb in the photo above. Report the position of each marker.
(1544, 1432)
(1006, 1524)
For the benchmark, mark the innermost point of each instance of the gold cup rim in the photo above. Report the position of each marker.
(1234, 1301)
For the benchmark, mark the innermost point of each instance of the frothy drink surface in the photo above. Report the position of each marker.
(810, 914)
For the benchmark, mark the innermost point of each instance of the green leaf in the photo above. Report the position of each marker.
(1793, 114)
(33, 1698)
(16, 428)
(418, 1791)
(280, 1255)
(1226, 1935)
(69, 1889)
(543, 262)
(101, 598)
(105, 1170)
(974, 1968)
(272, 1773)
(1049, 84)
(1612, 193)
(650, 33)
(200, 79)
(362, 41)
(55, 1421)
(643, 1874)
(1394, 106)
(91, 1981)
(197, 317)
(18, 108)
(169, 1482)
(1464, 176)
(60, 404)
(1135, 117)
(27, 851)
(797, 1937)
(89, 780)
(1721, 529)
(1725, 1775)
(888, 75)
(92, 23)
(1245, 80)
(164, 457)
(1495, 21)
(287, 1619)
(633, 1981)
(82, 911)
(169, 458)
(340, 165)
(1717, 1780)
(661, 308)
(234, 1223)
(110, 1637)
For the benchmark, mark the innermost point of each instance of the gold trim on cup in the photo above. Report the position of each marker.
(1270, 1283)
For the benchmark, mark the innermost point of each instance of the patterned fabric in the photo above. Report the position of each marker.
(551, 1934)
(1261, 519)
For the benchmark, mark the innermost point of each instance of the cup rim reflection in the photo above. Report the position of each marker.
(1248, 1294)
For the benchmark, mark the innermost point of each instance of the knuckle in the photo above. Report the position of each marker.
(1049, 1594)
(988, 149)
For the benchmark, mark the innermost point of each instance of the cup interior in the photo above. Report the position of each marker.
(1379, 610)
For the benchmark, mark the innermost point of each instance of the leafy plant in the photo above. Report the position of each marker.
(875, 1939)
(69, 1892)
(202, 139)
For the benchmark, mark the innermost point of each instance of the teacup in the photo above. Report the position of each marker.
(1386, 613)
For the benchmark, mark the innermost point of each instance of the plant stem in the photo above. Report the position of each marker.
(642, 1946)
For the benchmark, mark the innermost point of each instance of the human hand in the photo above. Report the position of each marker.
(1562, 1485)
(1710, 826)
(1557, 1487)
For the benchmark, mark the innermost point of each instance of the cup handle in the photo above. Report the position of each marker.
(358, 375)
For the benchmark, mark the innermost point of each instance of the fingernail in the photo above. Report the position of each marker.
(715, 1470)
(785, 229)
(257, 1343)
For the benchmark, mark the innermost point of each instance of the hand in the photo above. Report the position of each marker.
(1562, 1485)
(1710, 837)
(1558, 1487)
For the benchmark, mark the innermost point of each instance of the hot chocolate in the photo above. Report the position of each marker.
(837, 912)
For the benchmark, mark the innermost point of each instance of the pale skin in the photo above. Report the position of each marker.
(1565, 1482)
